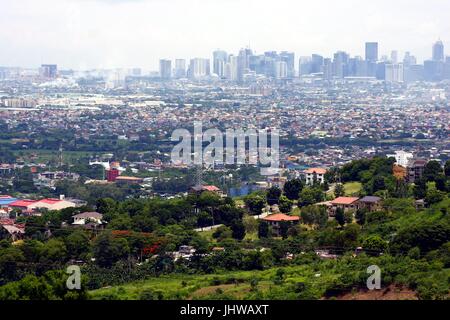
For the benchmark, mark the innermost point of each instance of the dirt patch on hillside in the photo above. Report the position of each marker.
(390, 293)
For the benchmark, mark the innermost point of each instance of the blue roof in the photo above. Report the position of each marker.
(6, 201)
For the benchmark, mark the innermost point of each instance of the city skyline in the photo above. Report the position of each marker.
(137, 33)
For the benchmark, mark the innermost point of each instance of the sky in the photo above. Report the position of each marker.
(86, 34)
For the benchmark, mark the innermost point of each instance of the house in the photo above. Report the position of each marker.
(203, 188)
(315, 175)
(129, 180)
(23, 205)
(275, 221)
(9, 230)
(345, 203)
(5, 201)
(415, 169)
(370, 203)
(87, 217)
(53, 204)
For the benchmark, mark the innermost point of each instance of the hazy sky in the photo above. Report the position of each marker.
(136, 33)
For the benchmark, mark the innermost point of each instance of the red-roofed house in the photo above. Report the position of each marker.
(315, 174)
(345, 203)
(275, 221)
(24, 205)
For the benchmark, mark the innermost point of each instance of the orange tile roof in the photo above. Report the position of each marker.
(344, 200)
(281, 217)
(316, 170)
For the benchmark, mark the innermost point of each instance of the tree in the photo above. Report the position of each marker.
(284, 228)
(254, 203)
(314, 215)
(432, 170)
(434, 196)
(204, 219)
(238, 230)
(108, 250)
(222, 233)
(339, 190)
(273, 195)
(441, 183)
(250, 223)
(285, 205)
(263, 230)
(340, 216)
(420, 189)
(309, 196)
(447, 169)
(374, 245)
(360, 216)
(77, 244)
(292, 189)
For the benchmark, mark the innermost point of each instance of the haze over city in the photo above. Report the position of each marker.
(137, 33)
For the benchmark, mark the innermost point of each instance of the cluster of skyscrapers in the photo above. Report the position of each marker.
(247, 66)
(242, 67)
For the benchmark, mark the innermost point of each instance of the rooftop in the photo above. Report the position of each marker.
(281, 217)
(344, 200)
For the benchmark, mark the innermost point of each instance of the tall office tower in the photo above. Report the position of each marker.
(180, 68)
(357, 67)
(327, 69)
(199, 68)
(256, 63)
(316, 63)
(409, 60)
(289, 58)
(372, 51)
(244, 63)
(232, 68)
(433, 70)
(340, 64)
(394, 72)
(281, 70)
(438, 51)
(447, 68)
(165, 69)
(305, 66)
(394, 56)
(414, 72)
(220, 58)
(269, 63)
(49, 71)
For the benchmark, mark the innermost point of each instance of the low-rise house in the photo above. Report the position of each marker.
(315, 175)
(129, 180)
(87, 217)
(275, 221)
(344, 203)
(5, 201)
(11, 231)
(203, 188)
(371, 203)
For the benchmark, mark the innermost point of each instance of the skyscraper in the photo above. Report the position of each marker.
(199, 68)
(281, 70)
(220, 58)
(316, 63)
(49, 71)
(438, 51)
(289, 58)
(165, 69)
(180, 68)
(372, 51)
(394, 72)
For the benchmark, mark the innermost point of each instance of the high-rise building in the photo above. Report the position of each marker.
(305, 66)
(289, 58)
(220, 58)
(372, 51)
(180, 68)
(327, 69)
(316, 63)
(340, 64)
(394, 72)
(447, 68)
(438, 51)
(49, 71)
(165, 69)
(199, 68)
(281, 70)
(394, 56)
(244, 63)
(232, 68)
